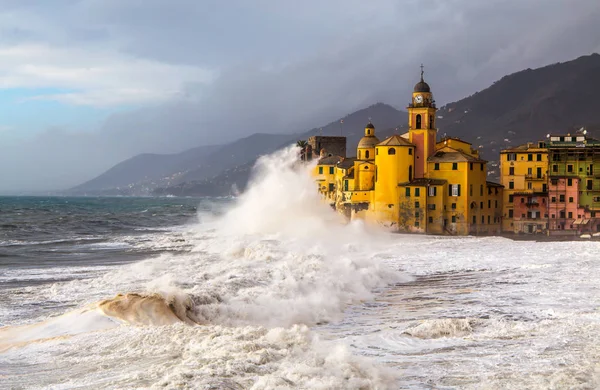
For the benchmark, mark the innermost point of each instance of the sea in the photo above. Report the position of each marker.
(274, 290)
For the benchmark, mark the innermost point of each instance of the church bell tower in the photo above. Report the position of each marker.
(421, 125)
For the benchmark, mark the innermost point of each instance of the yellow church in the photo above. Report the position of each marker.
(411, 182)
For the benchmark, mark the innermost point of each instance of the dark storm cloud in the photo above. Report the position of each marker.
(284, 68)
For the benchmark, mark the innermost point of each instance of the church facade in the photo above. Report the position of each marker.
(412, 182)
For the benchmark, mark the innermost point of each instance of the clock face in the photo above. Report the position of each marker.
(419, 99)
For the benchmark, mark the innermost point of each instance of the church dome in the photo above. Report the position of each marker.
(368, 142)
(422, 86)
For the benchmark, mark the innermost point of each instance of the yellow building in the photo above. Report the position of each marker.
(414, 183)
(524, 174)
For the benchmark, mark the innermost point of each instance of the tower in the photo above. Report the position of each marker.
(366, 145)
(421, 125)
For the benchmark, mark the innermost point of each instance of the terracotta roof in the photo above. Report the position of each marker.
(423, 182)
(452, 138)
(395, 140)
(454, 156)
(492, 184)
(368, 142)
(346, 163)
(330, 160)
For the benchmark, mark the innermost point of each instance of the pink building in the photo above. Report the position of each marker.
(564, 214)
(530, 212)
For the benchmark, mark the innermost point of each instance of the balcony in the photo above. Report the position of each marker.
(535, 177)
(532, 204)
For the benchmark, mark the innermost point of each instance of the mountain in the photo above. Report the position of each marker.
(202, 167)
(518, 108)
(527, 105)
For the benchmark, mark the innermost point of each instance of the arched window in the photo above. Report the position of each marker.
(410, 173)
(359, 154)
(368, 132)
(367, 154)
(418, 126)
(431, 122)
(391, 151)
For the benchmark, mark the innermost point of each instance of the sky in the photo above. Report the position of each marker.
(85, 84)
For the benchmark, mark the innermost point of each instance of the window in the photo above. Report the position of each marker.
(432, 191)
(391, 151)
(530, 157)
(453, 206)
(569, 168)
(510, 213)
(589, 185)
(431, 206)
(481, 166)
(454, 219)
(555, 168)
(474, 220)
(417, 191)
(481, 190)
(416, 214)
(436, 166)
(570, 199)
(510, 198)
(454, 166)
(522, 200)
(417, 205)
(529, 171)
(511, 185)
(359, 154)
(331, 169)
(407, 191)
(331, 187)
(470, 189)
(366, 154)
(529, 185)
(562, 214)
(570, 214)
(454, 189)
(489, 219)
(495, 204)
(471, 166)
(489, 204)
(511, 171)
(553, 216)
(511, 157)
(416, 223)
(410, 151)
(482, 219)
(481, 205)
(320, 170)
(410, 173)
(569, 182)
(431, 122)
(539, 157)
(553, 199)
(430, 219)
(418, 125)
(345, 185)
(561, 198)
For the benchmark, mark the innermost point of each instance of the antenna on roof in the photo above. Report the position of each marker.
(422, 72)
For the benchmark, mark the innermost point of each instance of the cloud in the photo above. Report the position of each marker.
(204, 72)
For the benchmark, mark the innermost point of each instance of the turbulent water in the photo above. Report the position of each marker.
(274, 291)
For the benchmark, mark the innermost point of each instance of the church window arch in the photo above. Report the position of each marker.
(418, 125)
(391, 151)
(359, 154)
(366, 154)
(431, 122)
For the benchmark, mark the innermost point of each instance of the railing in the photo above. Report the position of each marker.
(535, 177)
(532, 204)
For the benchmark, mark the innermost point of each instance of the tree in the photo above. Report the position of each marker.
(302, 144)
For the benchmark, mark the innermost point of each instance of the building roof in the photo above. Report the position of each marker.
(369, 126)
(329, 160)
(424, 182)
(453, 138)
(454, 156)
(346, 163)
(524, 148)
(395, 140)
(368, 142)
(422, 86)
(492, 184)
